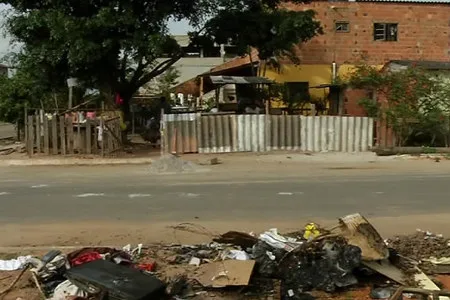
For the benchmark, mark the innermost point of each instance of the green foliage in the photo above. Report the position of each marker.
(263, 25)
(416, 106)
(167, 81)
(113, 45)
(371, 107)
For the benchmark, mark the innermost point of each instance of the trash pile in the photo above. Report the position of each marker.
(266, 266)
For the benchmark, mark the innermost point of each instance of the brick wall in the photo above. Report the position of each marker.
(423, 32)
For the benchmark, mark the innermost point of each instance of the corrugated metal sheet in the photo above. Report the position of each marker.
(340, 134)
(217, 134)
(239, 80)
(251, 133)
(180, 133)
(187, 133)
(284, 132)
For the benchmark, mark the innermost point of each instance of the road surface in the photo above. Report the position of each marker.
(124, 199)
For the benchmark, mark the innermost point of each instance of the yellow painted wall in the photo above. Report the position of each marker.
(314, 74)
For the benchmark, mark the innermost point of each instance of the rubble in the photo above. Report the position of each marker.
(421, 245)
(266, 266)
(170, 164)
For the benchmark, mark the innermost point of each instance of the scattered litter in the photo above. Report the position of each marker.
(195, 261)
(381, 293)
(117, 281)
(14, 264)
(384, 267)
(67, 289)
(272, 265)
(359, 232)
(275, 240)
(311, 231)
(240, 239)
(226, 273)
(235, 254)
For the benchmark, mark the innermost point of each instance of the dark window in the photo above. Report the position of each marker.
(298, 91)
(342, 26)
(385, 32)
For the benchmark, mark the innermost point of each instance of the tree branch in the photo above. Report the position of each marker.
(161, 67)
(139, 70)
(158, 70)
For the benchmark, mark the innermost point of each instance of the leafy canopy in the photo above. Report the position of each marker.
(113, 45)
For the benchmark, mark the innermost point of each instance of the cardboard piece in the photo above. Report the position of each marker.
(424, 282)
(384, 267)
(360, 233)
(225, 273)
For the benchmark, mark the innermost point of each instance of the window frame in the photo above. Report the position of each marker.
(337, 23)
(385, 36)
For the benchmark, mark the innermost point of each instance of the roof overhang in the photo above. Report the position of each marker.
(222, 80)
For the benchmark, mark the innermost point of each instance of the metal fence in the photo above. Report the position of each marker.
(191, 133)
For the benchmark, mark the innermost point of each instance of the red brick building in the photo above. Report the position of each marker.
(379, 31)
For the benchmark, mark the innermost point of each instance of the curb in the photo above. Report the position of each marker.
(74, 162)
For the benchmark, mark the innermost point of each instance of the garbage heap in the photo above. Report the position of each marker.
(239, 265)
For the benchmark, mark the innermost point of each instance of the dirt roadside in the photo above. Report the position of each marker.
(42, 236)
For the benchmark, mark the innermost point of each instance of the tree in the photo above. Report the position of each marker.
(167, 81)
(417, 106)
(114, 45)
(274, 31)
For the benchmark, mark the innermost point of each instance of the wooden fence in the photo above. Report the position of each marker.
(190, 133)
(58, 135)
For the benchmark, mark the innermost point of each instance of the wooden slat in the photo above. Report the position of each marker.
(55, 135)
(30, 146)
(102, 142)
(62, 134)
(25, 121)
(110, 142)
(88, 137)
(38, 135)
(70, 141)
(79, 138)
(46, 135)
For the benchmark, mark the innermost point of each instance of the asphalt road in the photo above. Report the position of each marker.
(41, 194)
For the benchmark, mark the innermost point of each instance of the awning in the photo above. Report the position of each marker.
(240, 80)
(324, 86)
